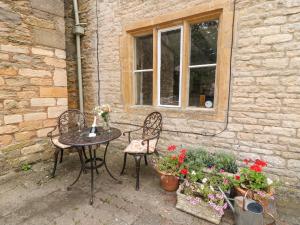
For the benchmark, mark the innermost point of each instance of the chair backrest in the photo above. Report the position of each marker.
(71, 120)
(152, 125)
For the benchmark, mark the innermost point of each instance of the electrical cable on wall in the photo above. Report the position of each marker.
(97, 49)
(229, 89)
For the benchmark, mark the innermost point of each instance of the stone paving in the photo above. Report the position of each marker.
(32, 198)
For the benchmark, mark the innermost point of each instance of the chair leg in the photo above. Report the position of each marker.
(124, 164)
(146, 162)
(55, 162)
(61, 155)
(137, 164)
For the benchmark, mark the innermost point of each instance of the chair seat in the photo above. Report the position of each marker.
(58, 144)
(136, 146)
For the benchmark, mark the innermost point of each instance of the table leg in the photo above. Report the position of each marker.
(92, 175)
(110, 174)
(81, 169)
(95, 161)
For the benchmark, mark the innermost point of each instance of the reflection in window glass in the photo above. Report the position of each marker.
(143, 83)
(144, 52)
(204, 42)
(202, 86)
(170, 43)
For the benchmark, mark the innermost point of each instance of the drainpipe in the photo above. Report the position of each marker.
(78, 31)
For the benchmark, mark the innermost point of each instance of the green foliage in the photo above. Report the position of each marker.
(226, 162)
(26, 167)
(198, 159)
(252, 180)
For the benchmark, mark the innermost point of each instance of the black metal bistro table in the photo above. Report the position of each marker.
(80, 140)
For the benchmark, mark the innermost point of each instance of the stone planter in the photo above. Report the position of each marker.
(201, 209)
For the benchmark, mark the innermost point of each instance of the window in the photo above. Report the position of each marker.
(203, 61)
(143, 70)
(179, 63)
(169, 66)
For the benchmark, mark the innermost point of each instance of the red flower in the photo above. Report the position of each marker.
(184, 171)
(260, 163)
(237, 177)
(172, 148)
(181, 159)
(246, 161)
(255, 168)
(183, 151)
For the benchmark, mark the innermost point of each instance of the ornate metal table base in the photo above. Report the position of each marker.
(91, 164)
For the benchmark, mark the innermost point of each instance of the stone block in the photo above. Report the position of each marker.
(294, 164)
(14, 49)
(43, 102)
(32, 149)
(8, 71)
(54, 112)
(295, 62)
(26, 135)
(277, 38)
(280, 131)
(22, 58)
(60, 77)
(35, 116)
(276, 63)
(41, 81)
(62, 101)
(2, 82)
(27, 94)
(30, 125)
(43, 132)
(50, 122)
(60, 63)
(55, 7)
(60, 53)
(58, 92)
(4, 56)
(8, 129)
(275, 161)
(5, 140)
(275, 20)
(38, 22)
(42, 51)
(9, 119)
(50, 38)
(34, 73)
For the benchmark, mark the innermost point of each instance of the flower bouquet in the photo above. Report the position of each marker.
(251, 179)
(171, 167)
(103, 111)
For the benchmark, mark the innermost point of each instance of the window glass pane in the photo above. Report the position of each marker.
(204, 42)
(170, 67)
(143, 84)
(202, 87)
(144, 52)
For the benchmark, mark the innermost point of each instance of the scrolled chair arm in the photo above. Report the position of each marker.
(50, 134)
(129, 133)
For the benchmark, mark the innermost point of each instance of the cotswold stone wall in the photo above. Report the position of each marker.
(32, 78)
(264, 115)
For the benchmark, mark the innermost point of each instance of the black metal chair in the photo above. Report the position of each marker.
(70, 120)
(146, 145)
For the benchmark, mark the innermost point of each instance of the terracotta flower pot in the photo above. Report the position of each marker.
(168, 182)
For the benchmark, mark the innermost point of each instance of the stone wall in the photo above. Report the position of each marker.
(32, 78)
(264, 119)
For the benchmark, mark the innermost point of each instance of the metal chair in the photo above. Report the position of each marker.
(70, 120)
(146, 145)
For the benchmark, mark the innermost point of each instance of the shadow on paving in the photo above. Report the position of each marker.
(32, 198)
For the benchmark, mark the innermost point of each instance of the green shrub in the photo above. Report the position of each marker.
(225, 161)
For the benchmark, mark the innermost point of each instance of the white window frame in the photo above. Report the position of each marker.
(135, 71)
(159, 64)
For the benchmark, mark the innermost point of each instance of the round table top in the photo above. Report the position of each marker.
(81, 138)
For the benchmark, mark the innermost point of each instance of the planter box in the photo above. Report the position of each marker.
(201, 210)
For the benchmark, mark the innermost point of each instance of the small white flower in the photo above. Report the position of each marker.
(204, 180)
(202, 186)
(269, 181)
(211, 188)
(193, 172)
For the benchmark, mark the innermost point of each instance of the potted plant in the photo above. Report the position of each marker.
(251, 179)
(171, 167)
(203, 199)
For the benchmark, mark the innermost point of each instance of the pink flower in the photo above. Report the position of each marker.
(172, 148)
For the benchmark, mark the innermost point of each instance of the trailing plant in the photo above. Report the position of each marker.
(26, 167)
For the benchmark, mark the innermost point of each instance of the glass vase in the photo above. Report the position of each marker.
(106, 123)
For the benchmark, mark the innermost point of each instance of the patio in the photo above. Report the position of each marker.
(31, 197)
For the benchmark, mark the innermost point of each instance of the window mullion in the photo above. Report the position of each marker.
(185, 64)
